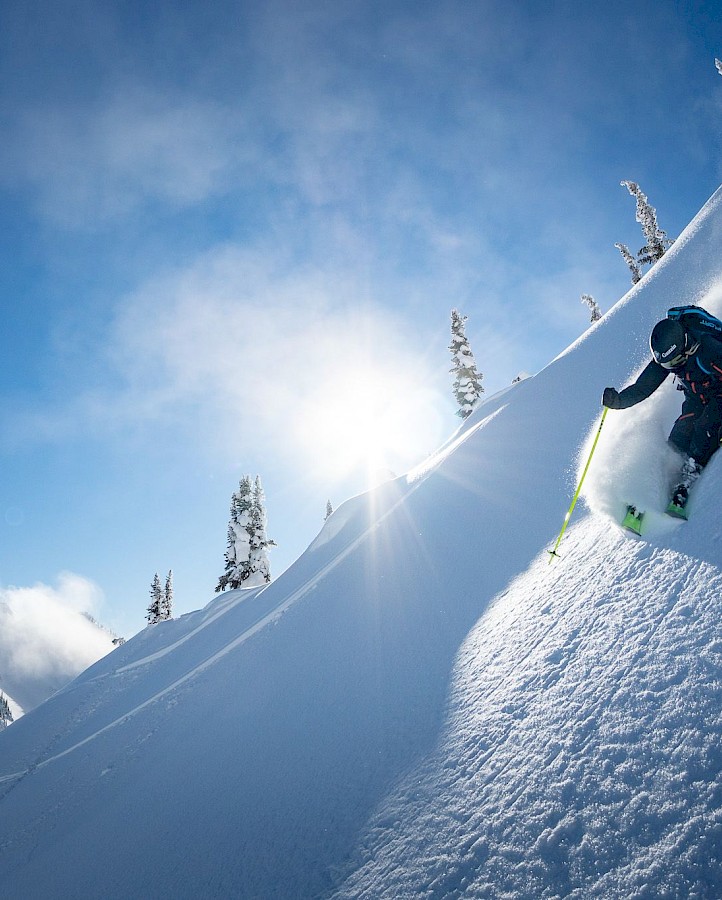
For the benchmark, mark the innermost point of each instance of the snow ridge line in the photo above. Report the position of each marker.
(152, 657)
(415, 476)
(252, 630)
(419, 472)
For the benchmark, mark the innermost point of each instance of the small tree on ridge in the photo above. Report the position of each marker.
(161, 600)
(155, 612)
(657, 241)
(167, 605)
(6, 715)
(467, 379)
(596, 313)
(247, 548)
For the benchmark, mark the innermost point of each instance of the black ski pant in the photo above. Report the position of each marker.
(698, 430)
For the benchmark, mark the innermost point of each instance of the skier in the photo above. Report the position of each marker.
(688, 343)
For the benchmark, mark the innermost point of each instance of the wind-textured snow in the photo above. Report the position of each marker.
(424, 705)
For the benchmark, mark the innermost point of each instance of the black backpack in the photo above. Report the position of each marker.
(696, 321)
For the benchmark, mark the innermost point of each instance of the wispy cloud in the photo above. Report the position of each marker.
(232, 348)
(357, 157)
(87, 163)
(244, 342)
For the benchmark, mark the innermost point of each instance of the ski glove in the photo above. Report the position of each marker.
(610, 398)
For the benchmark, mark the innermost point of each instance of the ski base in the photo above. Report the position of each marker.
(633, 520)
(677, 512)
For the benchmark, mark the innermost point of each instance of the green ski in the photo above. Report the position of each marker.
(676, 511)
(633, 520)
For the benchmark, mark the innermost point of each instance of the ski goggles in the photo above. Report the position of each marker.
(672, 363)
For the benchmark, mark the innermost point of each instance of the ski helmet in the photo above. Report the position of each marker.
(668, 343)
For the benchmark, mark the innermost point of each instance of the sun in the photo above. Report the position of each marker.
(375, 419)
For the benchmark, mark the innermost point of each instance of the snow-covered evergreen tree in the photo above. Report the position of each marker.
(155, 607)
(246, 553)
(259, 542)
(329, 509)
(657, 241)
(467, 379)
(238, 547)
(167, 603)
(718, 65)
(6, 716)
(630, 261)
(596, 313)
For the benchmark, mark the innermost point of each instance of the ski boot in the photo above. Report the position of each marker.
(680, 495)
(633, 520)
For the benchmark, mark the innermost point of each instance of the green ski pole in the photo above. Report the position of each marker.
(553, 553)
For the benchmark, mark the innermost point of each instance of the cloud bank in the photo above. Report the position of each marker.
(45, 640)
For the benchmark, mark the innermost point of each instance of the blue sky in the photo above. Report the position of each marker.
(224, 225)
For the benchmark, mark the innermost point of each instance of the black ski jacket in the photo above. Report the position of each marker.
(700, 376)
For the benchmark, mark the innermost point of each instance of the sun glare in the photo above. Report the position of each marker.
(368, 419)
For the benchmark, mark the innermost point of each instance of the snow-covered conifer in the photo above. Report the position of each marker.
(259, 541)
(657, 241)
(6, 716)
(467, 379)
(329, 510)
(246, 553)
(167, 604)
(594, 309)
(718, 64)
(631, 262)
(155, 607)
(238, 547)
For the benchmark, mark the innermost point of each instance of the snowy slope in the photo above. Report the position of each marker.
(581, 756)
(422, 705)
